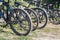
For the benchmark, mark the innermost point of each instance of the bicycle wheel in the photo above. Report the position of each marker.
(34, 17)
(43, 19)
(21, 22)
(56, 17)
(52, 16)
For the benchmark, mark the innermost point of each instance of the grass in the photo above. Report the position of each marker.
(2, 38)
(19, 38)
(7, 34)
(25, 38)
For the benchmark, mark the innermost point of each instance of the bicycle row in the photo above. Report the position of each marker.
(23, 19)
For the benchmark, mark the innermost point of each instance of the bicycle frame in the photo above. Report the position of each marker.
(9, 8)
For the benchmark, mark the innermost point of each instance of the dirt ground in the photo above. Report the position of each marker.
(50, 32)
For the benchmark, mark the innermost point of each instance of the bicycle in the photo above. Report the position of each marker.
(32, 13)
(15, 20)
(41, 13)
(56, 19)
(53, 14)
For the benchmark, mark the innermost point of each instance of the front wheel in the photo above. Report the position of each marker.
(43, 19)
(21, 22)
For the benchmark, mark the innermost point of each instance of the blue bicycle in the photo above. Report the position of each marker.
(18, 19)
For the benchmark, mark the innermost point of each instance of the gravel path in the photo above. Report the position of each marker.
(50, 32)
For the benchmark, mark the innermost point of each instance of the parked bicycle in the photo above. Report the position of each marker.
(41, 13)
(51, 11)
(53, 14)
(18, 19)
(31, 12)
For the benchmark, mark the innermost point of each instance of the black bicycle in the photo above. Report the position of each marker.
(31, 12)
(41, 13)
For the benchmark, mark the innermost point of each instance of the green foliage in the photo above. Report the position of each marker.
(25, 38)
(2, 38)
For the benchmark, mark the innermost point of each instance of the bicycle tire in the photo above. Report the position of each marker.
(35, 17)
(55, 19)
(29, 20)
(45, 14)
